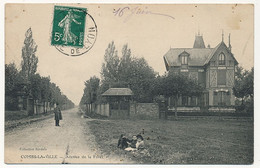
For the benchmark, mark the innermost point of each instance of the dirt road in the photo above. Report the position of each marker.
(42, 142)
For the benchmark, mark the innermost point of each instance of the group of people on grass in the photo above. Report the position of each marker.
(136, 143)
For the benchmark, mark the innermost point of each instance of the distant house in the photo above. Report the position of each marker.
(213, 68)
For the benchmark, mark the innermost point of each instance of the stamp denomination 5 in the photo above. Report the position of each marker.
(74, 30)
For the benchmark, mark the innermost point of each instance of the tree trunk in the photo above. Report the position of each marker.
(44, 107)
(165, 109)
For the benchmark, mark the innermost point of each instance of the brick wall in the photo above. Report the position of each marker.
(144, 110)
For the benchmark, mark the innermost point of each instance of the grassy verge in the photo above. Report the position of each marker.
(15, 115)
(183, 141)
(18, 118)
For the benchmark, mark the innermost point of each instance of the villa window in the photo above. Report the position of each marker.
(184, 60)
(221, 77)
(221, 59)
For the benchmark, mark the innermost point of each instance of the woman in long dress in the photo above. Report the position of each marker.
(65, 23)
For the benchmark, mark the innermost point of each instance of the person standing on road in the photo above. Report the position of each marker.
(57, 116)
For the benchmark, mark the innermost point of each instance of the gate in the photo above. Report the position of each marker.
(163, 110)
(120, 109)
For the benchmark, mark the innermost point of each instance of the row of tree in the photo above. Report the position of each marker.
(27, 84)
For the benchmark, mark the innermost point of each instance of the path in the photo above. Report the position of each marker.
(42, 142)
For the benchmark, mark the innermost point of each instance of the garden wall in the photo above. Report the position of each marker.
(102, 109)
(144, 110)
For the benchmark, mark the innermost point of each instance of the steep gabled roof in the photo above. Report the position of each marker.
(212, 53)
(118, 92)
(216, 49)
(197, 56)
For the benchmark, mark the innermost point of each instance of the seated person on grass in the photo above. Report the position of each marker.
(132, 144)
(140, 142)
(122, 142)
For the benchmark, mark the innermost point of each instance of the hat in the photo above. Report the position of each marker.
(140, 136)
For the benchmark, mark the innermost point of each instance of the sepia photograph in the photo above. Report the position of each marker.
(168, 84)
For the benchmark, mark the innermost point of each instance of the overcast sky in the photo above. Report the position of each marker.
(148, 35)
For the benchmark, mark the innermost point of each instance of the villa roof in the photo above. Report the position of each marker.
(197, 56)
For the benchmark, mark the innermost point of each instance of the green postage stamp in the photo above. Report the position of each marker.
(74, 30)
(68, 26)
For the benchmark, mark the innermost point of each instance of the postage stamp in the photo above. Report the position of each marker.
(73, 31)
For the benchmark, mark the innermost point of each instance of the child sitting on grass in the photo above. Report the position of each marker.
(132, 144)
(140, 142)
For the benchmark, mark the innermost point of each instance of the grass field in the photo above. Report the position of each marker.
(208, 140)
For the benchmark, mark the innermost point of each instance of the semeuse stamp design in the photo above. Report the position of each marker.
(74, 30)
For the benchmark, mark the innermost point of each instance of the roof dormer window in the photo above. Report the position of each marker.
(221, 59)
(184, 59)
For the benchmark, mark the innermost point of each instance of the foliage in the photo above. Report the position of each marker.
(13, 84)
(11, 77)
(29, 59)
(45, 89)
(56, 96)
(127, 71)
(244, 88)
(244, 83)
(109, 71)
(27, 82)
(40, 88)
(176, 85)
(90, 91)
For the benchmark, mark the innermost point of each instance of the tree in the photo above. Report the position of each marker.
(90, 92)
(29, 65)
(110, 66)
(35, 87)
(45, 91)
(244, 88)
(244, 83)
(11, 75)
(173, 85)
(127, 71)
(249, 83)
(45, 88)
(140, 77)
(57, 97)
(29, 59)
(12, 86)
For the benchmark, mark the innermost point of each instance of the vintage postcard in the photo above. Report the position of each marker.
(129, 84)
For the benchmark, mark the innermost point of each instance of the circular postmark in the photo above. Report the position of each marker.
(74, 31)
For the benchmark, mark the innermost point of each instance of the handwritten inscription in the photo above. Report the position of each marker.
(127, 12)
